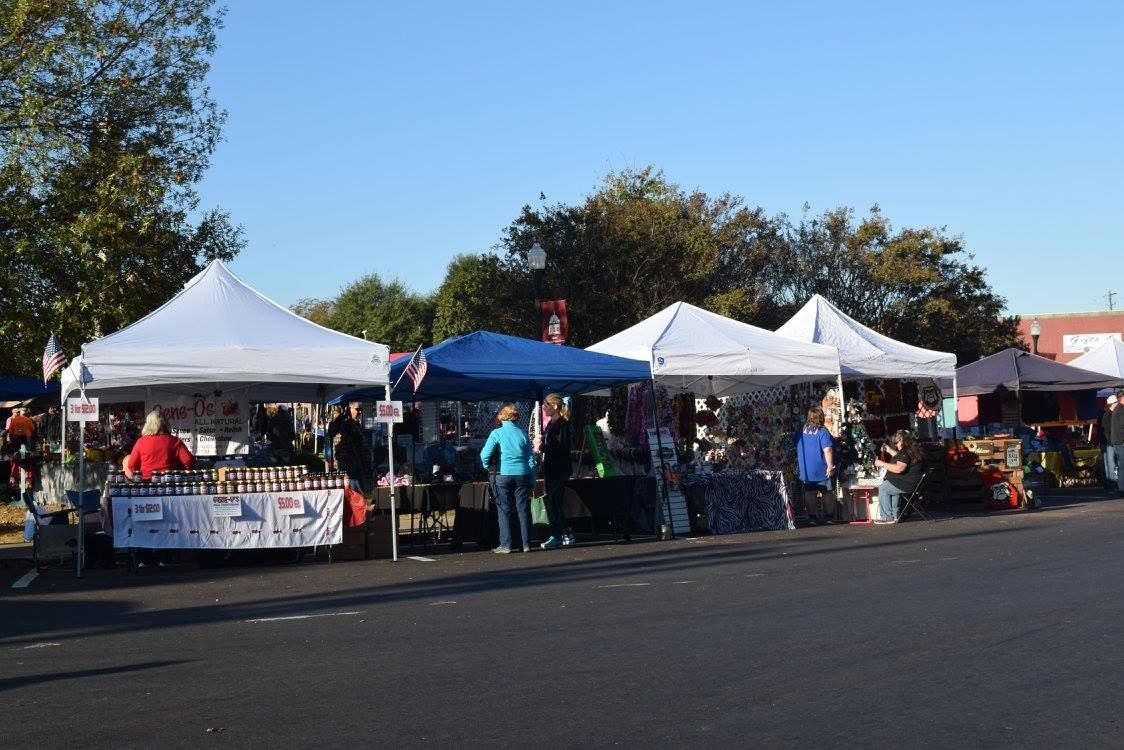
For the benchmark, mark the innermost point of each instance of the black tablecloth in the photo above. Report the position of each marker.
(628, 501)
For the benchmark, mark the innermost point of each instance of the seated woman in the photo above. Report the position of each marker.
(903, 461)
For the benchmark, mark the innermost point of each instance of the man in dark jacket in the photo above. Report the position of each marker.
(1108, 450)
(1116, 437)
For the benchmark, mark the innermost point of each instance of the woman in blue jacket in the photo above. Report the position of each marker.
(517, 471)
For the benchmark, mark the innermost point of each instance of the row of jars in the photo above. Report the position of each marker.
(263, 473)
(333, 480)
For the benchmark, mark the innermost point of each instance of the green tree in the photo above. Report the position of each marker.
(637, 245)
(915, 285)
(388, 313)
(482, 292)
(317, 310)
(106, 126)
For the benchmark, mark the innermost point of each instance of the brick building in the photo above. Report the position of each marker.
(1065, 336)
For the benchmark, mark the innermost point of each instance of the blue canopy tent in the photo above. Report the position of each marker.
(485, 366)
(15, 388)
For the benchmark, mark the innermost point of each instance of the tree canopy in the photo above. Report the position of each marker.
(640, 243)
(106, 126)
(386, 312)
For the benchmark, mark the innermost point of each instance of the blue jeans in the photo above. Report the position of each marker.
(513, 489)
(1110, 469)
(889, 497)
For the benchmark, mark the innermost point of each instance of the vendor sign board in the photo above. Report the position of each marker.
(81, 409)
(665, 464)
(208, 425)
(226, 506)
(388, 411)
(1079, 343)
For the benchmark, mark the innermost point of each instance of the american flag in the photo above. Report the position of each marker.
(53, 359)
(415, 370)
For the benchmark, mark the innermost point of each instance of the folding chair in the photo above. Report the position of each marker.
(912, 500)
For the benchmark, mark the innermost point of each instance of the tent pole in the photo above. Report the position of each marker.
(81, 489)
(955, 409)
(390, 481)
(662, 478)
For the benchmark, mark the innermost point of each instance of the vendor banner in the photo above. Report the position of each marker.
(257, 520)
(208, 425)
(555, 325)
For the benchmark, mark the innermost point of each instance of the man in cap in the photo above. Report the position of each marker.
(349, 446)
(1116, 437)
(1108, 450)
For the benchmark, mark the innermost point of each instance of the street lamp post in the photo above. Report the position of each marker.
(536, 259)
(1035, 332)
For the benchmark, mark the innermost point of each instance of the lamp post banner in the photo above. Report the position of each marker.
(553, 321)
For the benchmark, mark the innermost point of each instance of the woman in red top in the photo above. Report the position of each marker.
(156, 449)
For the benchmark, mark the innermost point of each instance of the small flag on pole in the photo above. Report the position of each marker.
(53, 359)
(415, 370)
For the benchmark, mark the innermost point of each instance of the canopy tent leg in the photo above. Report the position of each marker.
(662, 476)
(955, 410)
(390, 480)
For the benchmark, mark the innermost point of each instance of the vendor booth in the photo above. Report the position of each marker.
(693, 351)
(202, 357)
(1001, 397)
(866, 355)
(485, 368)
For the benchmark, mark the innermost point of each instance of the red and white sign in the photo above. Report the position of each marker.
(553, 320)
(388, 411)
(1079, 343)
(289, 505)
(146, 509)
(81, 409)
(208, 425)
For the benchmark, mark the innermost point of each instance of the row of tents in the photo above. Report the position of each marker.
(218, 333)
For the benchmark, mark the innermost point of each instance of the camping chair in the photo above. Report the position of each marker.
(912, 500)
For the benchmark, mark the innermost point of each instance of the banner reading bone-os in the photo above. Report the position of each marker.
(552, 316)
(208, 425)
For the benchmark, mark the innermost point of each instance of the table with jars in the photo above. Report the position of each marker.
(228, 508)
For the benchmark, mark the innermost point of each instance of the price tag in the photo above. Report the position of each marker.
(147, 509)
(81, 410)
(226, 506)
(289, 505)
(388, 411)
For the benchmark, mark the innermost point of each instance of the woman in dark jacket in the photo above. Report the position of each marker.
(557, 466)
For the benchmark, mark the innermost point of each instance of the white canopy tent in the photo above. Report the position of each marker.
(864, 352)
(693, 350)
(1106, 359)
(219, 333)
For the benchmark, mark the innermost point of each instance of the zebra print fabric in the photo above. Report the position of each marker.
(739, 501)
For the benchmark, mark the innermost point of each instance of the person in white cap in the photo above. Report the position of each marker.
(1116, 440)
(1108, 450)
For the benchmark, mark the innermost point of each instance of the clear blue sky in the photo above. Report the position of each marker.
(388, 137)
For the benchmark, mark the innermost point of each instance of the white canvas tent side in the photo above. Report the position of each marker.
(693, 350)
(1106, 359)
(219, 333)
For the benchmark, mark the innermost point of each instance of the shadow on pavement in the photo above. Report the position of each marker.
(27, 617)
(11, 683)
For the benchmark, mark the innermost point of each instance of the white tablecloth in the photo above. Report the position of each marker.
(264, 520)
